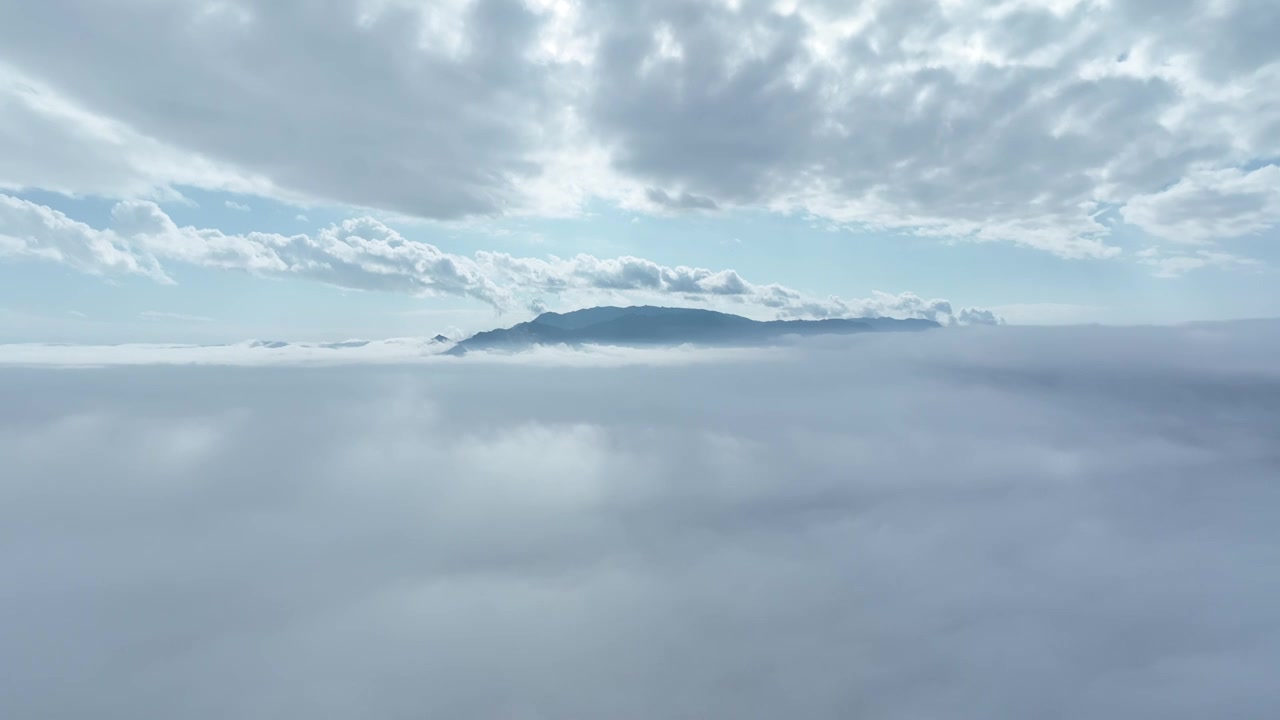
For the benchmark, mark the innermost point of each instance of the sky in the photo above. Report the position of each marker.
(221, 170)
(1039, 522)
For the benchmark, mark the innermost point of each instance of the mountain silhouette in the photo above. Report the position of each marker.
(648, 325)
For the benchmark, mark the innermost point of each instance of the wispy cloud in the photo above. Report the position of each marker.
(1175, 264)
(180, 317)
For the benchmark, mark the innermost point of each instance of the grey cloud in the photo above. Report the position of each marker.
(1038, 522)
(896, 126)
(353, 102)
(1176, 264)
(50, 142)
(1209, 205)
(1011, 123)
(682, 201)
(715, 123)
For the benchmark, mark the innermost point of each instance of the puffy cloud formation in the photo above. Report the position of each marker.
(1015, 121)
(1040, 522)
(365, 254)
(31, 230)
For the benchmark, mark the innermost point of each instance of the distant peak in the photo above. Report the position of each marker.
(649, 325)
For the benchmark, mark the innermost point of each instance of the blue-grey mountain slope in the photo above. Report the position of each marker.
(647, 326)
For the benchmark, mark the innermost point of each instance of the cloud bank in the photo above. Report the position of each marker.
(1038, 522)
(365, 254)
(1016, 121)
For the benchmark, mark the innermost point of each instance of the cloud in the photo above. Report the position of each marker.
(1008, 123)
(1176, 264)
(31, 230)
(390, 351)
(52, 142)
(1210, 205)
(682, 201)
(365, 254)
(238, 207)
(357, 88)
(1017, 122)
(1069, 522)
(181, 317)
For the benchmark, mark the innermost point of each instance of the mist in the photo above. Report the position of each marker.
(1070, 522)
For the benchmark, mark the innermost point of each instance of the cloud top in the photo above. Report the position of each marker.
(1063, 522)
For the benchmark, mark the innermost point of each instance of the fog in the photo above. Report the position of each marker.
(965, 523)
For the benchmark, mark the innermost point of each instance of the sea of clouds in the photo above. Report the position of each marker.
(970, 523)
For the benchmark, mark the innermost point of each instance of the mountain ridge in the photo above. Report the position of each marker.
(647, 325)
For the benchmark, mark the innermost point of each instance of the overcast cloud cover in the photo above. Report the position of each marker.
(991, 522)
(1033, 122)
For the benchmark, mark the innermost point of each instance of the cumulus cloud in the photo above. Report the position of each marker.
(365, 254)
(1011, 122)
(31, 230)
(1045, 522)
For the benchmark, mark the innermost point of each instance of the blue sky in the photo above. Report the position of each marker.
(1042, 161)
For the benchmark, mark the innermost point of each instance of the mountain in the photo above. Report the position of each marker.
(647, 325)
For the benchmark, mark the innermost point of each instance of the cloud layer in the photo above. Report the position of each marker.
(365, 254)
(1040, 522)
(1018, 121)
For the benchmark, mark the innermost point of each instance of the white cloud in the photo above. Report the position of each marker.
(1176, 264)
(365, 254)
(1210, 205)
(238, 207)
(1013, 122)
(959, 524)
(31, 230)
(390, 351)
